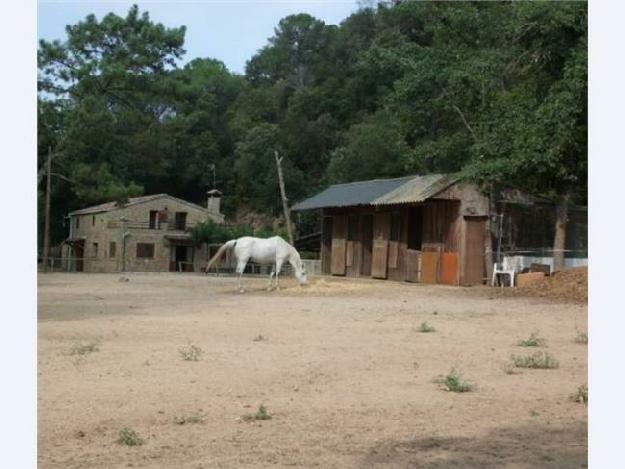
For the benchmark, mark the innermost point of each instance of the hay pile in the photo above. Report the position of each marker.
(568, 284)
(323, 286)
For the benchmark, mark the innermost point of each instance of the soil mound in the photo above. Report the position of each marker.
(568, 284)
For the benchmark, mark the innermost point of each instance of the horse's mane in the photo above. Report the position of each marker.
(295, 256)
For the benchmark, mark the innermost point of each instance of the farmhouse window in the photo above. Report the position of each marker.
(153, 219)
(181, 220)
(77, 222)
(415, 228)
(112, 249)
(92, 220)
(145, 250)
(95, 249)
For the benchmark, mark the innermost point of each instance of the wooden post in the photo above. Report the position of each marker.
(46, 230)
(488, 239)
(285, 204)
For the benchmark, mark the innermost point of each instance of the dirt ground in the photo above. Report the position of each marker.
(341, 369)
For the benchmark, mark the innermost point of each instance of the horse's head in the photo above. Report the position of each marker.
(300, 275)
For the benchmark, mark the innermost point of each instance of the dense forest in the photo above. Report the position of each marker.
(494, 90)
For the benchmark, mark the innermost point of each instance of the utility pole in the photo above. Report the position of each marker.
(46, 230)
(285, 204)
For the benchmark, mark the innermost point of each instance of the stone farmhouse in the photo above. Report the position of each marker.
(144, 234)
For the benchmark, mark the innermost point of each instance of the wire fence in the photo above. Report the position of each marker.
(102, 264)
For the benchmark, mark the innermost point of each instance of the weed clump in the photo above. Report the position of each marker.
(454, 382)
(84, 348)
(191, 353)
(425, 327)
(127, 436)
(539, 360)
(192, 418)
(261, 414)
(581, 338)
(581, 395)
(533, 341)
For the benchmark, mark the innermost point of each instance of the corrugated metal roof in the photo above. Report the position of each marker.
(378, 192)
(353, 193)
(418, 189)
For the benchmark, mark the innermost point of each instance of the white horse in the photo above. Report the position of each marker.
(271, 251)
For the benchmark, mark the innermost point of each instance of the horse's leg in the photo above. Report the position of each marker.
(240, 268)
(278, 268)
(270, 277)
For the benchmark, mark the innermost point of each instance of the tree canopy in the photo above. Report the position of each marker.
(494, 90)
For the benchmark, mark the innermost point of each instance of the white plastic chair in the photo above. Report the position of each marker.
(503, 269)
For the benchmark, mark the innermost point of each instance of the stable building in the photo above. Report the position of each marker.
(436, 228)
(429, 229)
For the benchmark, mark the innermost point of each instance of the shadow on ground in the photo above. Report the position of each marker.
(523, 447)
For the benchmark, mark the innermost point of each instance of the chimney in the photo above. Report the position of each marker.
(213, 201)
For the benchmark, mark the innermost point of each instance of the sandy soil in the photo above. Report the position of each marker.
(346, 377)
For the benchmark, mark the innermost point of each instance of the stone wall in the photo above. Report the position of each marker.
(103, 228)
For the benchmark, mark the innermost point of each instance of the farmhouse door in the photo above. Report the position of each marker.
(339, 240)
(381, 234)
(475, 265)
(367, 244)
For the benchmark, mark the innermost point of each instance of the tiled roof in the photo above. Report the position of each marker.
(108, 206)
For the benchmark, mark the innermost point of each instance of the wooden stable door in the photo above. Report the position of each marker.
(339, 241)
(381, 235)
(366, 225)
(475, 265)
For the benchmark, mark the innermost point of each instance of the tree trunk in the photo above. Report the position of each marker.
(285, 203)
(559, 242)
(46, 229)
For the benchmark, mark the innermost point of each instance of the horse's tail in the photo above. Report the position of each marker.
(227, 246)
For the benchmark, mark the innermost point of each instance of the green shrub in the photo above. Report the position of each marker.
(191, 353)
(214, 233)
(533, 341)
(127, 436)
(261, 414)
(425, 327)
(582, 394)
(539, 360)
(192, 418)
(581, 338)
(454, 382)
(84, 348)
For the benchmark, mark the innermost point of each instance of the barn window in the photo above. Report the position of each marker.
(415, 228)
(112, 249)
(145, 250)
(77, 222)
(92, 220)
(395, 226)
(95, 249)
(153, 218)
